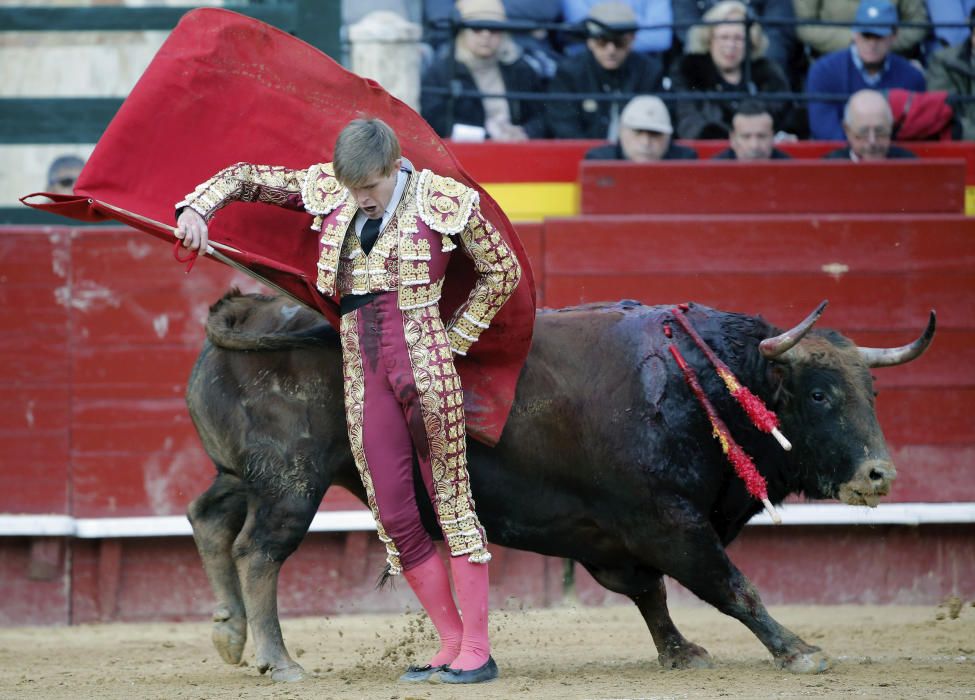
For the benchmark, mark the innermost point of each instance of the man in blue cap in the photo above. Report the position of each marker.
(868, 63)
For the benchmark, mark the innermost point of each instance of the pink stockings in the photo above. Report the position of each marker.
(432, 587)
(471, 583)
(464, 645)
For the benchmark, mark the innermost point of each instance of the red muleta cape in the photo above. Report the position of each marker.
(225, 88)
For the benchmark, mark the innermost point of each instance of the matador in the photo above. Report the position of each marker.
(386, 235)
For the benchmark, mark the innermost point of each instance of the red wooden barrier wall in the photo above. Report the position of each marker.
(797, 186)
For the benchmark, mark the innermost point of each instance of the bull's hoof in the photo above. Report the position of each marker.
(684, 657)
(288, 674)
(809, 662)
(229, 636)
(287, 671)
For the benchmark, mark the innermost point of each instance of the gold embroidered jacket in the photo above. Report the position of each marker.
(410, 255)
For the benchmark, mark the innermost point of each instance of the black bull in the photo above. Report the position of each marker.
(606, 459)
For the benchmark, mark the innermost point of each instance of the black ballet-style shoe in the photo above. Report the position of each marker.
(487, 672)
(421, 673)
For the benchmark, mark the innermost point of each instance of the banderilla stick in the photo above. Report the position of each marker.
(744, 467)
(761, 416)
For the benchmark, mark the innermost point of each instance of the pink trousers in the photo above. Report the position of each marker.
(403, 397)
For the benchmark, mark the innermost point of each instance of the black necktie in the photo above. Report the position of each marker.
(370, 232)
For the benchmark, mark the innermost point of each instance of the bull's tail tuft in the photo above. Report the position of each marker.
(257, 322)
(386, 579)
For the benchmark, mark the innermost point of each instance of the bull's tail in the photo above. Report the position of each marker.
(385, 580)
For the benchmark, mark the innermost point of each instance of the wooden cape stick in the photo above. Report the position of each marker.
(213, 250)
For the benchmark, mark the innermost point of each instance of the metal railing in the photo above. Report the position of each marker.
(455, 90)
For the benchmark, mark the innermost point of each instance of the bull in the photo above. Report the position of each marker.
(606, 459)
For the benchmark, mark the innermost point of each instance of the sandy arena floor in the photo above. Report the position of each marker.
(604, 653)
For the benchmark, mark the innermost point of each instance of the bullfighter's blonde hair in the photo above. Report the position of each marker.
(699, 36)
(364, 148)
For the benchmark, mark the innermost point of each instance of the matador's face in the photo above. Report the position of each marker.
(374, 194)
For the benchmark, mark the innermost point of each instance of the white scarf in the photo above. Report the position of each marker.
(487, 77)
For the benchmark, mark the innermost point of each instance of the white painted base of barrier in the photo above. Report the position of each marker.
(23, 525)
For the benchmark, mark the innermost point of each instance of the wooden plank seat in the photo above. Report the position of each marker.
(796, 186)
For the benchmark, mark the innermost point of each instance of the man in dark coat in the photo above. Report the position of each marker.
(645, 135)
(608, 66)
(752, 136)
(868, 124)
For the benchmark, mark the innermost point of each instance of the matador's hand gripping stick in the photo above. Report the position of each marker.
(744, 467)
(212, 249)
(760, 415)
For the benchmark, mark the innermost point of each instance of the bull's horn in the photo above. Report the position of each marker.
(887, 357)
(773, 347)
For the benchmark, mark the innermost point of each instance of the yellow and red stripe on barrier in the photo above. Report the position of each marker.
(535, 180)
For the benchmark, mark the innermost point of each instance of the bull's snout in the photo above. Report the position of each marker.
(871, 481)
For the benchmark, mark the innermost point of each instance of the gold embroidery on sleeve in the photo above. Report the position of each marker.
(244, 182)
(498, 273)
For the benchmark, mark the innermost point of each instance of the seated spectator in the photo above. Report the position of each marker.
(538, 47)
(608, 66)
(715, 62)
(868, 123)
(489, 62)
(646, 13)
(781, 37)
(867, 63)
(952, 70)
(63, 173)
(752, 137)
(645, 135)
(822, 40)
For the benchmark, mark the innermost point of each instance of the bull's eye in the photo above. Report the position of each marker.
(818, 396)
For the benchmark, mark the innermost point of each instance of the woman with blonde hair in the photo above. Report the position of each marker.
(715, 62)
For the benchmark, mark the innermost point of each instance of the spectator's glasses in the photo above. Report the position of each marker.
(878, 132)
(619, 41)
(63, 181)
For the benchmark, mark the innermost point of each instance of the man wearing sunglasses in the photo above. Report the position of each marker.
(605, 75)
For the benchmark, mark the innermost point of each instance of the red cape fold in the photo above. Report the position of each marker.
(225, 88)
